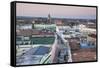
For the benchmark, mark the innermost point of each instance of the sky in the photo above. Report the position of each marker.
(58, 11)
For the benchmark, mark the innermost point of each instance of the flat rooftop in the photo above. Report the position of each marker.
(33, 55)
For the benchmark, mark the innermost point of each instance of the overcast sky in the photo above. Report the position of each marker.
(40, 10)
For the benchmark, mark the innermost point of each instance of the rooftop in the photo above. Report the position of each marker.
(84, 55)
(29, 32)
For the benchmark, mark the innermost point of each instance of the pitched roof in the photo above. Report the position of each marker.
(26, 32)
(30, 32)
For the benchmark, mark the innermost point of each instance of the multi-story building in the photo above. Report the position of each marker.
(21, 24)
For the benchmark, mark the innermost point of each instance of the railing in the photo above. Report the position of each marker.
(45, 59)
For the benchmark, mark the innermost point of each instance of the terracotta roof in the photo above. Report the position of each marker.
(74, 44)
(92, 35)
(84, 55)
(29, 32)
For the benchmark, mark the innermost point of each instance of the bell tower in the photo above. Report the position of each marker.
(49, 18)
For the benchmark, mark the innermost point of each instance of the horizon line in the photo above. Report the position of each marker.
(58, 17)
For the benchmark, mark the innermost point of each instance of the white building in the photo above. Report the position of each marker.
(24, 26)
(85, 29)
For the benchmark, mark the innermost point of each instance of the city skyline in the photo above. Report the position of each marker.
(56, 11)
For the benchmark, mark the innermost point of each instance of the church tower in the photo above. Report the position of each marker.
(49, 18)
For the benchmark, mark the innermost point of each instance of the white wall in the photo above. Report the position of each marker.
(5, 34)
(27, 26)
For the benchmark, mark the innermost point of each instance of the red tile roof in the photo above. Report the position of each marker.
(92, 35)
(30, 32)
(84, 55)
